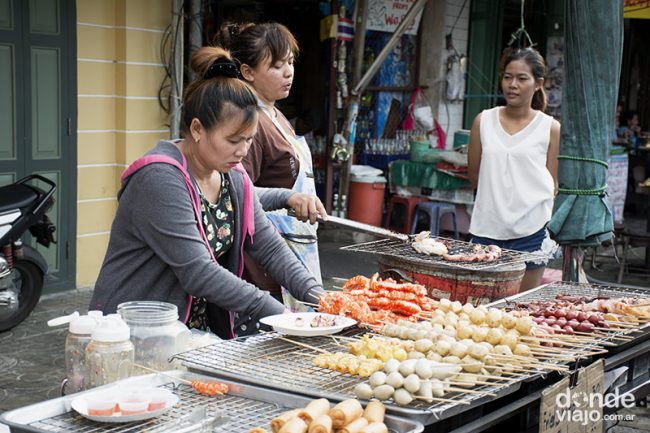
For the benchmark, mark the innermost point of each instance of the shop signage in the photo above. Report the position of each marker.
(579, 409)
(385, 15)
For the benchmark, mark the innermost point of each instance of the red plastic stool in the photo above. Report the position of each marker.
(401, 204)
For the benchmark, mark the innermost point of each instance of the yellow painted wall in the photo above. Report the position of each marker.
(119, 72)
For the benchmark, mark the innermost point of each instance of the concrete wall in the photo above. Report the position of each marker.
(119, 71)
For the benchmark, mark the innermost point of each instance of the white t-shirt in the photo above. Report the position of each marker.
(515, 191)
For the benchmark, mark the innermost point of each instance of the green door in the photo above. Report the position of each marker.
(38, 114)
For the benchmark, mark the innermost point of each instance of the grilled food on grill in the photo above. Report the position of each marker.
(348, 363)
(424, 244)
(210, 388)
(372, 301)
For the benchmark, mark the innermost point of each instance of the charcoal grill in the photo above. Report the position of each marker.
(269, 361)
(243, 408)
(404, 250)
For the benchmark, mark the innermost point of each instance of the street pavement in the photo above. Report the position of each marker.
(32, 355)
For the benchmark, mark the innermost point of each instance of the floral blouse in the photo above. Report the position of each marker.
(218, 222)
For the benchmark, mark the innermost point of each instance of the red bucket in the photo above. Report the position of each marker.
(366, 201)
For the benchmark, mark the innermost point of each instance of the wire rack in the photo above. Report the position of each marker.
(268, 360)
(550, 291)
(404, 250)
(243, 414)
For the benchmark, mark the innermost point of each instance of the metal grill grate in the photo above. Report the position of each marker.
(550, 291)
(243, 414)
(267, 360)
(404, 250)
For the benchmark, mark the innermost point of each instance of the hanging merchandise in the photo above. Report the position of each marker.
(420, 116)
(456, 66)
(455, 77)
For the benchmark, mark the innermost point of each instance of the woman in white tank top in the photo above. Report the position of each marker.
(513, 163)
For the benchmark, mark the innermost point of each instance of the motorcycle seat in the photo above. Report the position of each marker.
(16, 196)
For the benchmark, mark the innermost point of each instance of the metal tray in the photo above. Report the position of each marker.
(548, 292)
(244, 407)
(404, 250)
(269, 361)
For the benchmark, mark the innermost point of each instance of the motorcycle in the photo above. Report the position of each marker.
(22, 268)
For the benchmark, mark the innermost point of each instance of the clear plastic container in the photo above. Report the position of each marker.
(101, 403)
(109, 355)
(156, 332)
(79, 335)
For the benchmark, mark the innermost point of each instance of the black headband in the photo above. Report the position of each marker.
(222, 68)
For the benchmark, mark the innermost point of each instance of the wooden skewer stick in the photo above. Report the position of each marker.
(598, 335)
(512, 373)
(644, 304)
(443, 400)
(297, 343)
(621, 324)
(342, 280)
(487, 376)
(617, 337)
(189, 382)
(531, 362)
(309, 304)
(468, 391)
(612, 330)
(343, 337)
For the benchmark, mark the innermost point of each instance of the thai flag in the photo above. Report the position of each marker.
(345, 29)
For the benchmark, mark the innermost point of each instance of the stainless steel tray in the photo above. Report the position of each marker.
(245, 407)
(269, 361)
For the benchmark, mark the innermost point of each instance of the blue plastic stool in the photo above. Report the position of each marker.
(435, 210)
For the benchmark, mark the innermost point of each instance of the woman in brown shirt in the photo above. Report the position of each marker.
(277, 158)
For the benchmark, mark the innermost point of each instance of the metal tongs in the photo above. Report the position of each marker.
(197, 421)
(359, 227)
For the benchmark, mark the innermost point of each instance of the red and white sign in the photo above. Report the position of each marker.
(385, 15)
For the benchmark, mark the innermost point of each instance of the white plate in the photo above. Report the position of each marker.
(286, 323)
(79, 405)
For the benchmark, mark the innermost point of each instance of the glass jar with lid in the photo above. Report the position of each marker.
(109, 355)
(156, 332)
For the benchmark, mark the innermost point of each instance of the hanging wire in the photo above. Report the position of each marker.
(458, 17)
(449, 37)
(521, 35)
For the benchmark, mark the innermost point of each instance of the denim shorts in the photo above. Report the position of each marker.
(530, 243)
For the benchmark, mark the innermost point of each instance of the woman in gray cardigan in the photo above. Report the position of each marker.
(187, 211)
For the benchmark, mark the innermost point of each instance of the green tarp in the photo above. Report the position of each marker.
(592, 54)
(423, 175)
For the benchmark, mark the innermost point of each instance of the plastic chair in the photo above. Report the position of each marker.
(435, 210)
(401, 204)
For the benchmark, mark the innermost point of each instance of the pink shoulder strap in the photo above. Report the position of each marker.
(194, 196)
(249, 212)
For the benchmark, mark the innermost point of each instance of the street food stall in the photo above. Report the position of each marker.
(435, 364)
